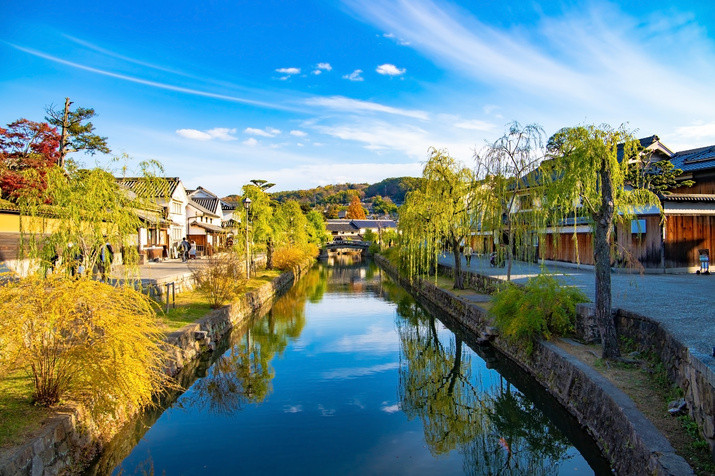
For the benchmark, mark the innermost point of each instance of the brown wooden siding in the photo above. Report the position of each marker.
(684, 236)
(645, 248)
(9, 246)
(703, 184)
(564, 247)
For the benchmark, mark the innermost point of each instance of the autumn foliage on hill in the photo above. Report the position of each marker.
(28, 150)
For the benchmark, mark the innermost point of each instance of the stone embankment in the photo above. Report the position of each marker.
(69, 440)
(630, 443)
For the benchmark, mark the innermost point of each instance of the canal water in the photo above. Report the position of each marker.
(347, 374)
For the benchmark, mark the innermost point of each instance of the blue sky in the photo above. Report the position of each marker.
(306, 93)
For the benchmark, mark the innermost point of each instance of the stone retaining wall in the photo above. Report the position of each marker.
(70, 439)
(627, 439)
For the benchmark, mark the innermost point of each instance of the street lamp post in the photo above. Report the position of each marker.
(247, 206)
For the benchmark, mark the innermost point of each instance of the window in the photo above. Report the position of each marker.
(176, 208)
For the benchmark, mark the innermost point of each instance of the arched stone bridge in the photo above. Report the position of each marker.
(348, 244)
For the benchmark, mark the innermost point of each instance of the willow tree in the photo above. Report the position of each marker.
(438, 215)
(588, 171)
(87, 208)
(507, 167)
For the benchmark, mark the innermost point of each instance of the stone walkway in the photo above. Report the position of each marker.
(682, 303)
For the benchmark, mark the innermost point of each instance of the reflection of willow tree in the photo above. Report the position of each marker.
(520, 439)
(435, 386)
(244, 373)
(239, 377)
(499, 430)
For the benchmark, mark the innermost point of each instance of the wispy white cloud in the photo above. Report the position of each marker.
(697, 131)
(595, 57)
(399, 41)
(354, 76)
(298, 133)
(390, 70)
(322, 67)
(342, 103)
(475, 125)
(155, 84)
(288, 70)
(292, 408)
(267, 132)
(220, 133)
(250, 142)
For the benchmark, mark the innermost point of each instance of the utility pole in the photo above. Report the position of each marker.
(63, 137)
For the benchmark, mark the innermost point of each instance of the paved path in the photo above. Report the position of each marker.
(158, 271)
(683, 303)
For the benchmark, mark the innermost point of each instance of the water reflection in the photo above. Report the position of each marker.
(347, 374)
(243, 374)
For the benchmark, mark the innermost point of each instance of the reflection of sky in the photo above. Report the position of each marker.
(334, 409)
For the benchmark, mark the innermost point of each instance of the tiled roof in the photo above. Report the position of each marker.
(690, 197)
(227, 205)
(374, 223)
(208, 227)
(342, 225)
(159, 187)
(210, 204)
(202, 208)
(695, 159)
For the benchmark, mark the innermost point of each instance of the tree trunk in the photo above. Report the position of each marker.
(458, 278)
(63, 136)
(269, 253)
(509, 252)
(602, 258)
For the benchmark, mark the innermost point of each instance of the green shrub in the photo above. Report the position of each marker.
(538, 310)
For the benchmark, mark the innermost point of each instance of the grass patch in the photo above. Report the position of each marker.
(447, 283)
(192, 305)
(18, 416)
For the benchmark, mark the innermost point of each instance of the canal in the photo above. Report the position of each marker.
(347, 374)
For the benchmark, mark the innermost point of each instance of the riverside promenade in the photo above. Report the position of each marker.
(684, 304)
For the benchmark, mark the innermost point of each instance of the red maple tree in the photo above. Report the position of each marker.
(28, 150)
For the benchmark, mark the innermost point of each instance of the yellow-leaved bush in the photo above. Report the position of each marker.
(83, 341)
(290, 256)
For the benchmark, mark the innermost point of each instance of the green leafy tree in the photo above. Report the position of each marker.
(383, 206)
(77, 133)
(261, 219)
(438, 215)
(588, 180)
(657, 176)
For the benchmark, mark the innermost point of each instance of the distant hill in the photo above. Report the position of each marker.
(332, 198)
(340, 194)
(395, 188)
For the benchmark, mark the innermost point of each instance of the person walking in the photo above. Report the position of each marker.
(106, 256)
(192, 250)
(184, 247)
(468, 255)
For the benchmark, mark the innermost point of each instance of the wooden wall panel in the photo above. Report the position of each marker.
(684, 236)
